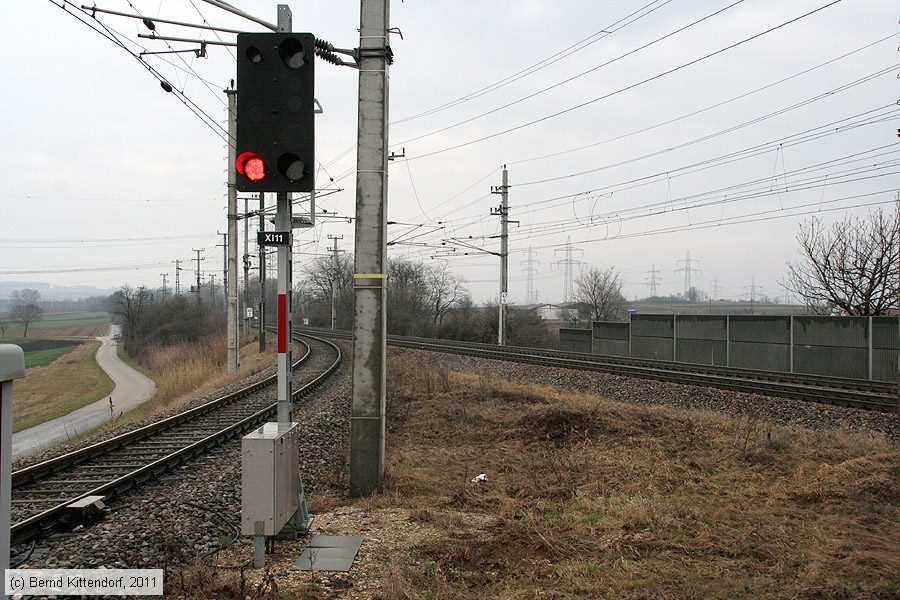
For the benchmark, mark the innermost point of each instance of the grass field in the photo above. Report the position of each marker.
(76, 325)
(39, 358)
(66, 384)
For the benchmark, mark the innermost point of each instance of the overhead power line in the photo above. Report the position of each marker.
(705, 109)
(573, 77)
(105, 31)
(542, 64)
(624, 89)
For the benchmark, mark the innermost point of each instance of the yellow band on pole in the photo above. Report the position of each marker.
(368, 276)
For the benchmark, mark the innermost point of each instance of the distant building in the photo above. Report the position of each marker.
(566, 311)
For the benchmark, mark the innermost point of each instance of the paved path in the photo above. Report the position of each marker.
(132, 388)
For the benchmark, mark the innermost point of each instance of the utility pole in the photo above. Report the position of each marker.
(715, 288)
(687, 269)
(569, 263)
(334, 278)
(199, 260)
(246, 268)
(369, 326)
(653, 279)
(262, 276)
(178, 270)
(212, 288)
(530, 270)
(230, 285)
(164, 277)
(503, 212)
(224, 247)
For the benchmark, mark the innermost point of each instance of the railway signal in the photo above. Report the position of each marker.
(275, 139)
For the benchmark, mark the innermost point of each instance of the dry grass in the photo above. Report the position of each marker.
(590, 498)
(184, 372)
(66, 384)
(201, 580)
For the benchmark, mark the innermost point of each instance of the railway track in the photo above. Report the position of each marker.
(871, 395)
(43, 492)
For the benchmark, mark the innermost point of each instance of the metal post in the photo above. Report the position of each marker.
(284, 308)
(262, 276)
(727, 340)
(334, 277)
(871, 361)
(12, 366)
(231, 269)
(504, 257)
(178, 276)
(674, 338)
(224, 246)
(285, 280)
(246, 268)
(199, 260)
(300, 521)
(259, 551)
(630, 327)
(369, 323)
(791, 348)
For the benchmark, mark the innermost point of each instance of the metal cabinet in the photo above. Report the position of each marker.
(270, 478)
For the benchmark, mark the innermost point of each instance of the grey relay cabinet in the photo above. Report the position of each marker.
(270, 478)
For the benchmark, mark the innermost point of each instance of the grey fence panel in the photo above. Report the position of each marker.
(838, 332)
(756, 355)
(766, 330)
(701, 352)
(651, 336)
(833, 346)
(885, 348)
(701, 327)
(660, 326)
(651, 347)
(610, 347)
(575, 340)
(610, 339)
(759, 342)
(701, 339)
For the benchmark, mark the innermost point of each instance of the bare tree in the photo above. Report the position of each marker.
(25, 309)
(852, 268)
(446, 290)
(128, 304)
(601, 289)
(323, 276)
(408, 297)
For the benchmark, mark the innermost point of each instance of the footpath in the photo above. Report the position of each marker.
(132, 388)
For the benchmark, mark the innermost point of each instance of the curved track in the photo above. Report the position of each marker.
(42, 492)
(855, 393)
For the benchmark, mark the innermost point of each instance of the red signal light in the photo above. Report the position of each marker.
(251, 166)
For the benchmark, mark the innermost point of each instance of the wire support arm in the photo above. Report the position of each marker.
(97, 9)
(236, 11)
(166, 38)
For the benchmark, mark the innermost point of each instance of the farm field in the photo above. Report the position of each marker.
(43, 352)
(66, 384)
(62, 374)
(62, 325)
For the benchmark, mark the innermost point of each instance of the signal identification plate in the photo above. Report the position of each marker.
(273, 238)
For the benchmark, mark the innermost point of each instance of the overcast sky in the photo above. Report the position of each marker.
(638, 149)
